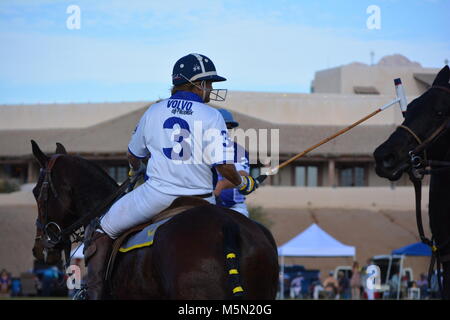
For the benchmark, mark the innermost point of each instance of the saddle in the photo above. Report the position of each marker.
(178, 206)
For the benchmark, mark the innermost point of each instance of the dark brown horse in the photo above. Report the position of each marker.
(188, 259)
(423, 140)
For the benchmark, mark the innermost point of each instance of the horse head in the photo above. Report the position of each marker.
(54, 205)
(68, 188)
(426, 123)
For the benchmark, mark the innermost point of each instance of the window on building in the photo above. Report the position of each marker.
(284, 177)
(306, 176)
(352, 176)
(365, 90)
(118, 173)
(17, 172)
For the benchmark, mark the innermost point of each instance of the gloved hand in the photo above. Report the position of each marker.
(136, 173)
(142, 169)
(248, 185)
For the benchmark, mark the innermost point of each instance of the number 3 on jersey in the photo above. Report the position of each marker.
(181, 150)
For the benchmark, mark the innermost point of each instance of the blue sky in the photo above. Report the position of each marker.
(125, 50)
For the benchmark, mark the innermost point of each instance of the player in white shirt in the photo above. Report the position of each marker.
(184, 139)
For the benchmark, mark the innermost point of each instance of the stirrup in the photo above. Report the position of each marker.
(81, 294)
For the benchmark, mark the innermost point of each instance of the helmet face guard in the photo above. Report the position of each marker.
(219, 94)
(214, 94)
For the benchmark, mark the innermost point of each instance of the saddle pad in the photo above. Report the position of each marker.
(143, 238)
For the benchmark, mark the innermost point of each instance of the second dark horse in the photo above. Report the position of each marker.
(424, 137)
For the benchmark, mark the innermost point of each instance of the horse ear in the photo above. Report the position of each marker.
(41, 157)
(442, 77)
(60, 149)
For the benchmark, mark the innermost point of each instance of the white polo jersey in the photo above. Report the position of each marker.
(185, 139)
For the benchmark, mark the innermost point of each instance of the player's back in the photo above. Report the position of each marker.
(184, 137)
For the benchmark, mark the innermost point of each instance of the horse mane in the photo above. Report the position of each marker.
(92, 183)
(96, 170)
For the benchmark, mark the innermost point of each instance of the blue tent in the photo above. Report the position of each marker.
(415, 249)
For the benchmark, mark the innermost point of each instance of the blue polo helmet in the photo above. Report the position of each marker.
(228, 117)
(194, 67)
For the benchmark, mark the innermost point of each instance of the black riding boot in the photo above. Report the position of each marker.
(96, 256)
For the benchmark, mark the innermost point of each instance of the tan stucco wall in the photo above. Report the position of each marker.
(313, 109)
(343, 79)
(328, 81)
(375, 198)
(382, 78)
(62, 116)
(278, 108)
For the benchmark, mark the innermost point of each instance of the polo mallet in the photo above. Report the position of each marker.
(401, 99)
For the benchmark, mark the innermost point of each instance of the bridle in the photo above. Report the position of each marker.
(52, 237)
(416, 170)
(416, 163)
(55, 237)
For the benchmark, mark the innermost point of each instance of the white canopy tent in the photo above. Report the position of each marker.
(313, 242)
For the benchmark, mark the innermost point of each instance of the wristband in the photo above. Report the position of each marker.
(243, 183)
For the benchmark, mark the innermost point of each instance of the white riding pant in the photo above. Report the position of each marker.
(241, 208)
(136, 207)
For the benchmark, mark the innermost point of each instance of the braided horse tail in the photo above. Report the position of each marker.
(232, 252)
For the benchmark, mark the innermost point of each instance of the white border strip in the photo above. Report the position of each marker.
(203, 74)
(200, 59)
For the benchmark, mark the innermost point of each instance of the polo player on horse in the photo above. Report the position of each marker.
(174, 134)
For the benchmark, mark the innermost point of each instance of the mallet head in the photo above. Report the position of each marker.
(401, 95)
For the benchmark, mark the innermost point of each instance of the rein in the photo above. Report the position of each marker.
(416, 173)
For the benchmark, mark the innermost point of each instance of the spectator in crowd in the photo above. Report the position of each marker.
(434, 286)
(405, 285)
(286, 283)
(16, 287)
(5, 283)
(331, 286)
(414, 291)
(296, 286)
(317, 289)
(394, 285)
(344, 286)
(355, 281)
(370, 292)
(422, 284)
(49, 280)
